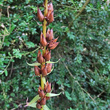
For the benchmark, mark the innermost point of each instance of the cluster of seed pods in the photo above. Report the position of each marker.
(47, 43)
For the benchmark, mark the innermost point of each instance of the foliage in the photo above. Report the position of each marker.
(82, 73)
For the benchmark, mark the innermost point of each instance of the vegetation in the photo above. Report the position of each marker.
(82, 74)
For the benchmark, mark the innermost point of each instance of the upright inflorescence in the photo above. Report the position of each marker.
(47, 43)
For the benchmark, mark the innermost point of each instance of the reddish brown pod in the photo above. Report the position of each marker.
(41, 92)
(49, 67)
(47, 87)
(49, 35)
(50, 8)
(38, 105)
(40, 58)
(44, 70)
(40, 15)
(43, 101)
(37, 70)
(47, 55)
(53, 45)
(43, 40)
(50, 18)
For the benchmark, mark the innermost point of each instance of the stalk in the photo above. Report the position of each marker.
(44, 33)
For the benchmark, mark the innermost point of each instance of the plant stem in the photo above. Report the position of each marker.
(44, 33)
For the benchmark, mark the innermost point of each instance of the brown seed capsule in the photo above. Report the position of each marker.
(40, 15)
(37, 70)
(41, 93)
(44, 70)
(47, 87)
(50, 6)
(47, 56)
(38, 106)
(49, 67)
(39, 89)
(43, 101)
(50, 9)
(47, 98)
(53, 45)
(50, 18)
(40, 58)
(49, 34)
(43, 40)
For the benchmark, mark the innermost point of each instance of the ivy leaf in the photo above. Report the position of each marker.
(52, 94)
(34, 64)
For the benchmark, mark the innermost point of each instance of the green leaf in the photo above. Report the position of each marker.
(67, 94)
(33, 105)
(33, 100)
(6, 73)
(34, 64)
(52, 94)
(30, 44)
(53, 62)
(45, 107)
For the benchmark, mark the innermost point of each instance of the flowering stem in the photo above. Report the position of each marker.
(44, 33)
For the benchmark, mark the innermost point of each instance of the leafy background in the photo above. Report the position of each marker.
(84, 52)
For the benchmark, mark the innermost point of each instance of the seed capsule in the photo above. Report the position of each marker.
(37, 70)
(47, 87)
(40, 58)
(44, 70)
(50, 18)
(49, 34)
(53, 45)
(47, 56)
(41, 93)
(49, 67)
(50, 9)
(47, 98)
(38, 106)
(43, 101)
(40, 15)
(43, 40)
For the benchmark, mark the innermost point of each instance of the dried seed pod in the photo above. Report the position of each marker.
(49, 67)
(47, 98)
(41, 93)
(47, 56)
(50, 18)
(43, 101)
(43, 40)
(44, 70)
(49, 34)
(37, 70)
(38, 106)
(50, 6)
(47, 87)
(39, 89)
(50, 9)
(53, 45)
(40, 15)
(40, 58)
